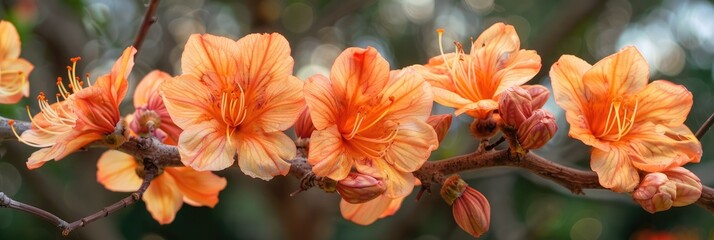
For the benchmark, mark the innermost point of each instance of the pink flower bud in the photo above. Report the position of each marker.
(303, 125)
(515, 106)
(539, 95)
(472, 212)
(441, 124)
(360, 188)
(655, 193)
(537, 130)
(689, 187)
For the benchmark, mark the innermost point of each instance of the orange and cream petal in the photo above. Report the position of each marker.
(149, 86)
(327, 154)
(199, 188)
(14, 73)
(10, 44)
(188, 100)
(116, 171)
(567, 79)
(519, 69)
(368, 212)
(437, 76)
(411, 96)
(398, 184)
(163, 199)
(412, 146)
(449, 98)
(614, 169)
(622, 74)
(65, 146)
(281, 105)
(663, 102)
(120, 72)
(579, 129)
(214, 56)
(359, 72)
(481, 109)
(265, 155)
(659, 147)
(264, 59)
(498, 38)
(205, 147)
(320, 99)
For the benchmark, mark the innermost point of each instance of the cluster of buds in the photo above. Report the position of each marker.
(520, 109)
(470, 208)
(659, 191)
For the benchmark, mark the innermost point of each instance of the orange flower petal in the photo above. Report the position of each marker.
(620, 74)
(10, 78)
(204, 147)
(520, 68)
(278, 107)
(449, 98)
(566, 76)
(116, 171)
(148, 86)
(188, 101)
(358, 72)
(120, 72)
(200, 188)
(10, 44)
(399, 184)
(412, 146)
(321, 101)
(368, 212)
(327, 155)
(411, 95)
(212, 57)
(663, 102)
(265, 155)
(481, 109)
(163, 199)
(265, 59)
(61, 149)
(614, 169)
(658, 147)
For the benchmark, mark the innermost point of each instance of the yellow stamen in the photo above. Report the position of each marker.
(12, 126)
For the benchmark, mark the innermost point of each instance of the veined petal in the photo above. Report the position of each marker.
(12, 73)
(622, 74)
(320, 99)
(10, 43)
(498, 38)
(435, 74)
(264, 155)
(614, 169)
(263, 59)
(449, 98)
(277, 108)
(65, 145)
(116, 171)
(481, 109)
(412, 146)
(120, 72)
(211, 55)
(149, 86)
(201, 188)
(412, 96)
(204, 147)
(567, 78)
(163, 199)
(359, 72)
(368, 212)
(518, 70)
(188, 100)
(658, 147)
(399, 184)
(663, 102)
(580, 129)
(327, 154)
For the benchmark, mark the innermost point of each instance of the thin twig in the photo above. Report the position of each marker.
(7, 202)
(705, 127)
(149, 18)
(495, 144)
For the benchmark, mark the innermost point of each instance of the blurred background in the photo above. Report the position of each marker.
(675, 36)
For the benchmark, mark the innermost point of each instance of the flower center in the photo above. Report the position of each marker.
(462, 72)
(233, 109)
(618, 122)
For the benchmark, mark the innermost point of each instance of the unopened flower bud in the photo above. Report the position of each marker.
(144, 120)
(452, 189)
(689, 187)
(514, 106)
(539, 95)
(303, 125)
(484, 128)
(441, 124)
(360, 188)
(655, 193)
(537, 130)
(472, 212)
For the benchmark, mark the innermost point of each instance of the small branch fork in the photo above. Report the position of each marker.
(157, 155)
